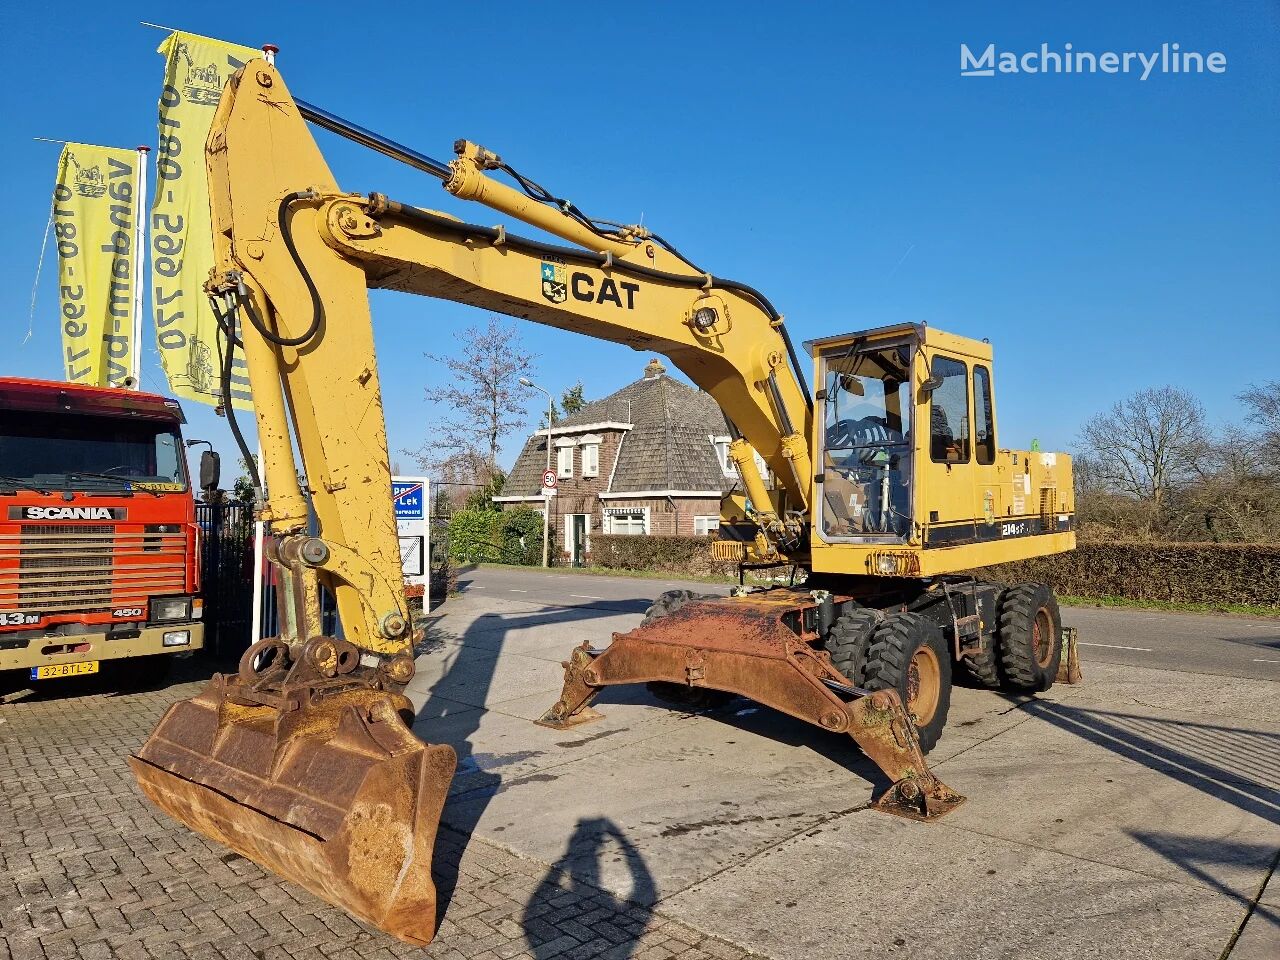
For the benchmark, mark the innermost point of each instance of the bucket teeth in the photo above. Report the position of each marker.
(336, 795)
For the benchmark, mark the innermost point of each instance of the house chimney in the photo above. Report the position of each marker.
(654, 369)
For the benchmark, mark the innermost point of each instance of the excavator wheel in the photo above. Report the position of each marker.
(850, 640)
(984, 667)
(677, 694)
(908, 654)
(1030, 637)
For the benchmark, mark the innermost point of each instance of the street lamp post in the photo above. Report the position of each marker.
(546, 500)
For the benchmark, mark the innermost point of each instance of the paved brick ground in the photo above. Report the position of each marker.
(88, 869)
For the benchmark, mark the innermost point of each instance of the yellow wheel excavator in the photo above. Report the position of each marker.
(883, 485)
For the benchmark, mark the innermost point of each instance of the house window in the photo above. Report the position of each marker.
(590, 455)
(704, 526)
(564, 462)
(628, 522)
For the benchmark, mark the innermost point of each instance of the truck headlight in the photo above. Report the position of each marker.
(170, 608)
(176, 638)
(887, 564)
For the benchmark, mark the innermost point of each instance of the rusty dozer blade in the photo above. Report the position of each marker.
(743, 645)
(315, 777)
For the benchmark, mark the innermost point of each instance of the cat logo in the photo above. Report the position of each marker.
(555, 282)
(89, 182)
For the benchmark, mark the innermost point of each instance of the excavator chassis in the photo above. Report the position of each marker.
(759, 648)
(309, 769)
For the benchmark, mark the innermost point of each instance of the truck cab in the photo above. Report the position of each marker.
(98, 539)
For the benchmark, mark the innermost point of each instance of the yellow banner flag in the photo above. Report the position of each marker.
(95, 218)
(196, 70)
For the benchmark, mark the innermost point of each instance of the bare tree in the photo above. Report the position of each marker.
(481, 392)
(1146, 446)
(1262, 410)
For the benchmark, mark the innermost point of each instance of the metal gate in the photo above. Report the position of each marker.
(226, 574)
(226, 581)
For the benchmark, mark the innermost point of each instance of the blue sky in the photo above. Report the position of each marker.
(1106, 233)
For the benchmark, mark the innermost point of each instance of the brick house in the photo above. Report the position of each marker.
(650, 459)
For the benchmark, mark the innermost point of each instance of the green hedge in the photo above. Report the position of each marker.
(509, 536)
(1175, 572)
(678, 555)
(1167, 572)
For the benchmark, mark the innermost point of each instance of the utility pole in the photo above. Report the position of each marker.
(546, 499)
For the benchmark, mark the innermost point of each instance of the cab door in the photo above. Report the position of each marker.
(948, 508)
(989, 498)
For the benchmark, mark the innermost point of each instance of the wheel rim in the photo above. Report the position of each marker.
(924, 685)
(1042, 638)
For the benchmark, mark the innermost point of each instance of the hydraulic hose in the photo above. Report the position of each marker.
(317, 305)
(229, 334)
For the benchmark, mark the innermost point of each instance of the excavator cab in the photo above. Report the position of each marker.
(910, 480)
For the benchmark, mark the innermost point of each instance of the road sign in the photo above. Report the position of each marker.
(411, 496)
(549, 483)
(409, 501)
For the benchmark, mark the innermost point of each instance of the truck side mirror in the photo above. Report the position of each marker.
(930, 384)
(210, 470)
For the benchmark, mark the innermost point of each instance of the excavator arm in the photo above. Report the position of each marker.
(303, 760)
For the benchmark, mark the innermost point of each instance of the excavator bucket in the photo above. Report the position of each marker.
(316, 779)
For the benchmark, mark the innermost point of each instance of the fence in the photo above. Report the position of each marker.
(226, 574)
(226, 580)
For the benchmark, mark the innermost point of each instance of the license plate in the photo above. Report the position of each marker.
(54, 671)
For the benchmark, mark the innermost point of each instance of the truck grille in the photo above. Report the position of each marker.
(87, 568)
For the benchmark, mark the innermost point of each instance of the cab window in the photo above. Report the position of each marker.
(949, 411)
(984, 431)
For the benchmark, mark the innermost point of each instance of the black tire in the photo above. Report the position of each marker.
(984, 666)
(908, 654)
(678, 694)
(850, 639)
(1030, 637)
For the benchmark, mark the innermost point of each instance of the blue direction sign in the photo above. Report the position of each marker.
(407, 495)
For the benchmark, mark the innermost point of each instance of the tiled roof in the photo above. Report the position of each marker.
(666, 448)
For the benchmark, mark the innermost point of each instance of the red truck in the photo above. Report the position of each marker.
(99, 546)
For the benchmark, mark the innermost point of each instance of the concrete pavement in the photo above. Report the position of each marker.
(1135, 816)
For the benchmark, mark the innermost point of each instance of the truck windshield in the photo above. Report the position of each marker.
(867, 442)
(83, 452)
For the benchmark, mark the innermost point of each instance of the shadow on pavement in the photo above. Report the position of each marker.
(572, 893)
(1194, 855)
(478, 777)
(1240, 767)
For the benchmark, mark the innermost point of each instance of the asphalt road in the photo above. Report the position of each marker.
(1227, 646)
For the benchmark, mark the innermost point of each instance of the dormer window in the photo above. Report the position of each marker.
(590, 446)
(727, 466)
(564, 458)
